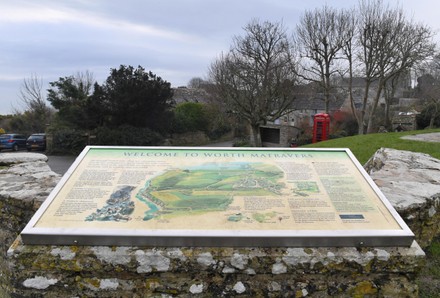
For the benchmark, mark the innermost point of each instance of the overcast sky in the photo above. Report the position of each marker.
(175, 39)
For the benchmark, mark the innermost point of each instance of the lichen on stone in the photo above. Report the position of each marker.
(196, 288)
(239, 288)
(151, 260)
(279, 268)
(117, 256)
(109, 284)
(65, 253)
(39, 282)
(239, 261)
(206, 259)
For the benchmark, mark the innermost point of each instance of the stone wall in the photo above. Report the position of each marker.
(25, 182)
(100, 271)
(406, 122)
(103, 271)
(411, 182)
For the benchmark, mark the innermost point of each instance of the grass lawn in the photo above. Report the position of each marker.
(363, 147)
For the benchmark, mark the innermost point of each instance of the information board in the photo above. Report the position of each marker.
(184, 196)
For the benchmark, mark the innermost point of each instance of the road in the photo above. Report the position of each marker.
(57, 163)
(60, 164)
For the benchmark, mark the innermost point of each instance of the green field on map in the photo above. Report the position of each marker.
(210, 187)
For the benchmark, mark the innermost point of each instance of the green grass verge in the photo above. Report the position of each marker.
(364, 146)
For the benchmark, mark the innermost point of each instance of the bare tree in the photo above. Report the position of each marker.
(349, 53)
(196, 82)
(84, 82)
(37, 113)
(322, 34)
(390, 44)
(31, 94)
(257, 75)
(390, 90)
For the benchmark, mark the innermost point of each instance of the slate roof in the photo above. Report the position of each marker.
(304, 101)
(190, 95)
(316, 103)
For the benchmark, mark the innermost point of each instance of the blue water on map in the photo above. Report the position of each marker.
(153, 208)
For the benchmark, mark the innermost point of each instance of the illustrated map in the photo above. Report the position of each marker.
(200, 189)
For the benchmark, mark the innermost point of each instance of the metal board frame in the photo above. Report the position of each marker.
(54, 231)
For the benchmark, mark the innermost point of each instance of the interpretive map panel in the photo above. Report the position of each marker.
(216, 196)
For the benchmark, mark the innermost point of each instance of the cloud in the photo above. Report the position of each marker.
(32, 12)
(175, 39)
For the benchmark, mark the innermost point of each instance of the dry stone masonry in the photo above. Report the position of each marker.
(411, 182)
(104, 271)
(25, 182)
(212, 272)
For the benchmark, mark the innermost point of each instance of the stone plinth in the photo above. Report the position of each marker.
(25, 182)
(101, 271)
(104, 271)
(411, 182)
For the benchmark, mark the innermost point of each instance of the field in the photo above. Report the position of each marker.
(211, 188)
(363, 147)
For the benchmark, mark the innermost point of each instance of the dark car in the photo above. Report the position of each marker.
(36, 141)
(12, 141)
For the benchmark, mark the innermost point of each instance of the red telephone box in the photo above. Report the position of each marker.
(321, 127)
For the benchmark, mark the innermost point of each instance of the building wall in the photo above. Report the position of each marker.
(404, 122)
(286, 135)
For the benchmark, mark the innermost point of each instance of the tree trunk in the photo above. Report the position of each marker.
(388, 124)
(433, 116)
(389, 95)
(431, 121)
(361, 119)
(255, 135)
(370, 124)
(374, 107)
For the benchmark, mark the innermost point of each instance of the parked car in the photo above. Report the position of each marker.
(36, 141)
(12, 141)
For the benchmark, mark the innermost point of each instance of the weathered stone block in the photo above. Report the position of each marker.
(411, 182)
(26, 181)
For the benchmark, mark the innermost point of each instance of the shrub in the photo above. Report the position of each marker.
(71, 141)
(430, 111)
(190, 117)
(218, 132)
(241, 143)
(343, 124)
(126, 135)
(67, 141)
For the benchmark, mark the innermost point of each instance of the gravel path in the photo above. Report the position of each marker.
(425, 137)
